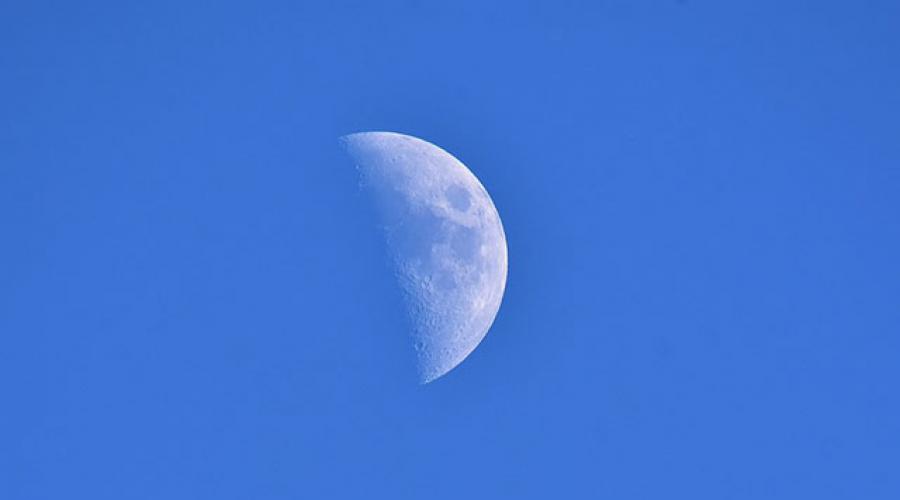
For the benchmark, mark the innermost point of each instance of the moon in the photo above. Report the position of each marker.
(445, 238)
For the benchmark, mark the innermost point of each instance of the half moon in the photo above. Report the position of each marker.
(446, 240)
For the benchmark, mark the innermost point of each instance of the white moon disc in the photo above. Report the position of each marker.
(446, 240)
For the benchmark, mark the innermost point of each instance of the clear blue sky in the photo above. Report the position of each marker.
(701, 201)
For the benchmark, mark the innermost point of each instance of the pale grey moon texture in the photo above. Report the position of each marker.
(446, 239)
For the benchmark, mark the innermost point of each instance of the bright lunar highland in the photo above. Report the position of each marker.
(446, 239)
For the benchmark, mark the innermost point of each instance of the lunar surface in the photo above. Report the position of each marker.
(446, 240)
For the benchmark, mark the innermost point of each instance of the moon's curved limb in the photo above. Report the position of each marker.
(446, 238)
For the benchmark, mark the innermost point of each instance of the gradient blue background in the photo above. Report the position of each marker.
(701, 201)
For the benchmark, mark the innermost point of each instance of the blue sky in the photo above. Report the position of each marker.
(700, 200)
